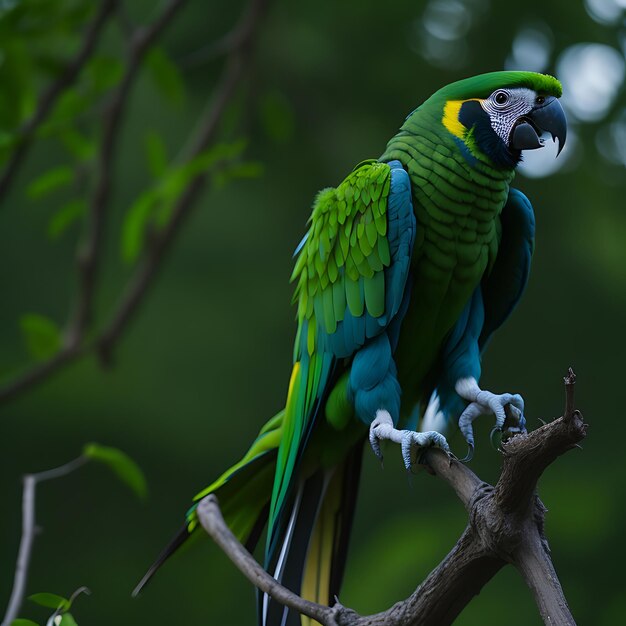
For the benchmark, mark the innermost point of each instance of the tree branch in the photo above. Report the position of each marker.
(30, 482)
(213, 522)
(161, 241)
(89, 250)
(533, 561)
(506, 526)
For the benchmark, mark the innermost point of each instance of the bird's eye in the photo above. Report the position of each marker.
(501, 98)
(540, 99)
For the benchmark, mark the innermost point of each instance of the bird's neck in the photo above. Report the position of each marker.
(449, 182)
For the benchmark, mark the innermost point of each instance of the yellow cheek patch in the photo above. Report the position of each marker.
(450, 117)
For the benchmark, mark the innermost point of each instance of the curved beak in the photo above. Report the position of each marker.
(548, 117)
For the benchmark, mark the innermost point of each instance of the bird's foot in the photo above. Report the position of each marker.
(410, 441)
(483, 402)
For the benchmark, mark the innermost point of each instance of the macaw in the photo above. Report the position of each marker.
(408, 267)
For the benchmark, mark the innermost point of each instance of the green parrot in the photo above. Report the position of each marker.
(408, 267)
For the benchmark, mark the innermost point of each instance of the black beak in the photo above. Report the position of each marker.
(547, 117)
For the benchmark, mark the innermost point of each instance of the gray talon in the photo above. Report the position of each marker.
(382, 428)
(483, 402)
(375, 445)
(406, 449)
(470, 453)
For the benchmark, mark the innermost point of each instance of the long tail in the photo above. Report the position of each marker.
(312, 553)
(244, 492)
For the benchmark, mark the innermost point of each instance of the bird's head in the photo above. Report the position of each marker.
(502, 113)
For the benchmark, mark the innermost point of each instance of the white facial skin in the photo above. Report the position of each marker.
(506, 106)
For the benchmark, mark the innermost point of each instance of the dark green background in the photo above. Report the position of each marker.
(207, 359)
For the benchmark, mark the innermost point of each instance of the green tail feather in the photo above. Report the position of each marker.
(307, 390)
(244, 493)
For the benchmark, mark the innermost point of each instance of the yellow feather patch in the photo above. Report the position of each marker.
(292, 381)
(319, 560)
(450, 117)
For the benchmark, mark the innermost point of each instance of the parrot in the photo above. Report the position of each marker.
(406, 270)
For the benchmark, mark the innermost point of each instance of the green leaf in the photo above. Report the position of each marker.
(104, 72)
(67, 620)
(50, 600)
(69, 106)
(156, 203)
(166, 76)
(50, 181)
(77, 144)
(65, 217)
(249, 169)
(121, 464)
(17, 77)
(156, 154)
(135, 224)
(23, 622)
(42, 336)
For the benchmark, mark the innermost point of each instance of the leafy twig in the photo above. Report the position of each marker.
(30, 482)
(89, 251)
(51, 95)
(76, 345)
(116, 460)
(161, 241)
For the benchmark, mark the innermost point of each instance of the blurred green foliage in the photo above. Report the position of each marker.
(121, 464)
(207, 360)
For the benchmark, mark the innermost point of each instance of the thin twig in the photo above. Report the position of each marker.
(89, 250)
(39, 373)
(51, 95)
(161, 241)
(30, 482)
(570, 381)
(213, 523)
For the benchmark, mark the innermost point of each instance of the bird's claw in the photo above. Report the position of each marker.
(379, 430)
(470, 453)
(382, 428)
(507, 408)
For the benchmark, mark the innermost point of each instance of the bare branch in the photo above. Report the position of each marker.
(570, 381)
(49, 98)
(37, 374)
(527, 456)
(213, 522)
(459, 476)
(450, 586)
(28, 533)
(533, 561)
(505, 527)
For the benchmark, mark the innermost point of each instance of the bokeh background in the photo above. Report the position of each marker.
(207, 358)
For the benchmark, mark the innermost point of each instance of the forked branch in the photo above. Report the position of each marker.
(505, 526)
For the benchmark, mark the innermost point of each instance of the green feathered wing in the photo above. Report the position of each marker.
(340, 279)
